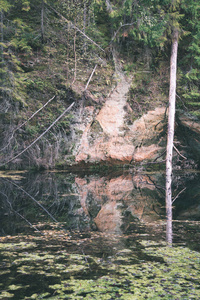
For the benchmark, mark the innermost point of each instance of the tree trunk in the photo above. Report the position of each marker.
(42, 22)
(84, 24)
(2, 33)
(171, 122)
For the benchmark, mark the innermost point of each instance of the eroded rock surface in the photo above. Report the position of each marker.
(107, 137)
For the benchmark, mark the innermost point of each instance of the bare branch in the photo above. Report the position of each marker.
(179, 194)
(159, 156)
(75, 27)
(35, 113)
(36, 140)
(179, 152)
(90, 78)
(121, 26)
(26, 122)
(75, 60)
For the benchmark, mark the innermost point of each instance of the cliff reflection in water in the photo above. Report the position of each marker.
(90, 202)
(116, 204)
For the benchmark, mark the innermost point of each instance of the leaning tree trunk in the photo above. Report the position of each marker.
(170, 134)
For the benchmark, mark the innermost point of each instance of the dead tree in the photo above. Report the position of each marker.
(170, 133)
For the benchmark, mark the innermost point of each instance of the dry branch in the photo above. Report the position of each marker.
(35, 113)
(179, 152)
(36, 140)
(90, 78)
(121, 26)
(75, 27)
(26, 122)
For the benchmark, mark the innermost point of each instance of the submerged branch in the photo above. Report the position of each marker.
(38, 203)
(179, 152)
(17, 213)
(160, 156)
(179, 194)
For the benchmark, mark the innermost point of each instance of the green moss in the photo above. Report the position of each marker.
(32, 130)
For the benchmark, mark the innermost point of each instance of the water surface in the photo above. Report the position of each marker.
(77, 236)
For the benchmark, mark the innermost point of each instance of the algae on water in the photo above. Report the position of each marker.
(35, 268)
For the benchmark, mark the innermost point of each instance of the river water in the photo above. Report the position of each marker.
(91, 236)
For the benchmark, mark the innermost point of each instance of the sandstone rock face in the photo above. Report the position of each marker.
(111, 116)
(107, 138)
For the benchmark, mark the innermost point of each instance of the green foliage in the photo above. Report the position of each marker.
(32, 130)
(36, 65)
(5, 5)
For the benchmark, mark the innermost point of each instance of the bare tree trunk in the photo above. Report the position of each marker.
(169, 230)
(2, 38)
(75, 61)
(171, 122)
(67, 62)
(84, 24)
(42, 22)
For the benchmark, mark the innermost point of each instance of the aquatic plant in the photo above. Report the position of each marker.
(59, 265)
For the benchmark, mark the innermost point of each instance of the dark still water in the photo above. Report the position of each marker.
(75, 236)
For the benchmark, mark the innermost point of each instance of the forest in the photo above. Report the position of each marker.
(99, 149)
(55, 54)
